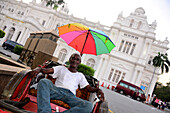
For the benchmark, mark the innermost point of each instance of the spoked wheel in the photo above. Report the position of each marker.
(104, 107)
(101, 107)
(18, 86)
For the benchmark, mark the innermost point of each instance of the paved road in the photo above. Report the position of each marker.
(118, 103)
(122, 104)
(5, 52)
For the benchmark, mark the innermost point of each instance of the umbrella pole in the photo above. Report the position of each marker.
(84, 43)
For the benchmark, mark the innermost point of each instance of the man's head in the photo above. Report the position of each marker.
(75, 60)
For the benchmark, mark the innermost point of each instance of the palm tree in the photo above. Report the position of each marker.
(54, 3)
(160, 61)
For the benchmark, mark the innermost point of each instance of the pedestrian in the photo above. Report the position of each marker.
(163, 105)
(67, 81)
(153, 101)
(135, 93)
(156, 102)
(147, 100)
(159, 104)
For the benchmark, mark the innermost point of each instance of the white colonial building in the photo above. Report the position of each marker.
(135, 40)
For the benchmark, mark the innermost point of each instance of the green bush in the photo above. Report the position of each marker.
(2, 33)
(86, 70)
(18, 49)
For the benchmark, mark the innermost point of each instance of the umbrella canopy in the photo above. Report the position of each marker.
(86, 40)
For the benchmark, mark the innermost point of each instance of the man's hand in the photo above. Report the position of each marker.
(98, 91)
(35, 72)
(100, 95)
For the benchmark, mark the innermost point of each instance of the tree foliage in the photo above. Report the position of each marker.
(86, 70)
(54, 3)
(2, 33)
(18, 49)
(162, 61)
(163, 92)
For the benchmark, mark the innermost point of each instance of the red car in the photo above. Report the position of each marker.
(129, 89)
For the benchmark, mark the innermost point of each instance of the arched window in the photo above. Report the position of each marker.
(22, 13)
(90, 62)
(10, 34)
(62, 55)
(139, 25)
(150, 60)
(4, 28)
(131, 23)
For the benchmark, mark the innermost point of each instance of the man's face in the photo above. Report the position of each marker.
(75, 60)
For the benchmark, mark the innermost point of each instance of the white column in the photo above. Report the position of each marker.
(6, 31)
(139, 78)
(1, 24)
(98, 68)
(22, 34)
(149, 47)
(54, 24)
(134, 76)
(103, 67)
(15, 35)
(49, 23)
(25, 36)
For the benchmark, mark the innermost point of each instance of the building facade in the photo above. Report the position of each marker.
(135, 41)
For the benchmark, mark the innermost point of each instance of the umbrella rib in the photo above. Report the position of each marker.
(79, 28)
(101, 34)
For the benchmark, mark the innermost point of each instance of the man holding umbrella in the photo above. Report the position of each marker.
(67, 81)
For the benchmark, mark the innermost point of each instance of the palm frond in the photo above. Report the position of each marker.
(166, 68)
(60, 2)
(168, 62)
(162, 69)
(55, 6)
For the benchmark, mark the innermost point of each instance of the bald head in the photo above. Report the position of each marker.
(75, 54)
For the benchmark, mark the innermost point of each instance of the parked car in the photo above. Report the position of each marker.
(129, 89)
(9, 44)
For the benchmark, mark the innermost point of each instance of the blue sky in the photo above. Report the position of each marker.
(106, 12)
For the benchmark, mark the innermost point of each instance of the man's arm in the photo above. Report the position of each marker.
(99, 92)
(43, 70)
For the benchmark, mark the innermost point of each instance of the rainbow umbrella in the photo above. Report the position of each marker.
(86, 40)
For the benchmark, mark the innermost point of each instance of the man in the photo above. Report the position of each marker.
(67, 81)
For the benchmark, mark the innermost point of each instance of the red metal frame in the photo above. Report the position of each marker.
(19, 87)
(32, 105)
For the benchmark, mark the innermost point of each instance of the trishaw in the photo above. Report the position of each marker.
(19, 95)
